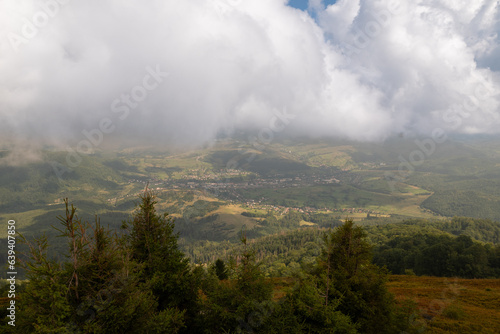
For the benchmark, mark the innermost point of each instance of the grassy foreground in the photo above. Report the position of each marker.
(446, 305)
(451, 305)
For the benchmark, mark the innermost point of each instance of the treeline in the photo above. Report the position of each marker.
(439, 255)
(403, 247)
(278, 254)
(472, 203)
(138, 281)
(482, 230)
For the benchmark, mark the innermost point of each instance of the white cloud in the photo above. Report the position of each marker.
(364, 70)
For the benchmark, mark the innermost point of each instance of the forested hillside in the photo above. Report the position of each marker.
(462, 247)
(139, 281)
(138, 278)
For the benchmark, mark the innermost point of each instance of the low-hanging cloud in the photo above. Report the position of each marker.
(364, 70)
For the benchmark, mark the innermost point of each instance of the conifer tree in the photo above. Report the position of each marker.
(153, 245)
(241, 305)
(43, 306)
(349, 278)
(94, 291)
(220, 269)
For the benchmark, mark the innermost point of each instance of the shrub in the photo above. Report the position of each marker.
(454, 312)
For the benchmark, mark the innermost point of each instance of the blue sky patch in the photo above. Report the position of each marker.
(302, 4)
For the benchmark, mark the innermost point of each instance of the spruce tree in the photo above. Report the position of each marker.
(95, 291)
(153, 245)
(350, 279)
(220, 269)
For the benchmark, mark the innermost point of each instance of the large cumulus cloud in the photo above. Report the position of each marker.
(358, 69)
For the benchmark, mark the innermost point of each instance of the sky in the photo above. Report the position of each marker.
(300, 4)
(303, 4)
(186, 72)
